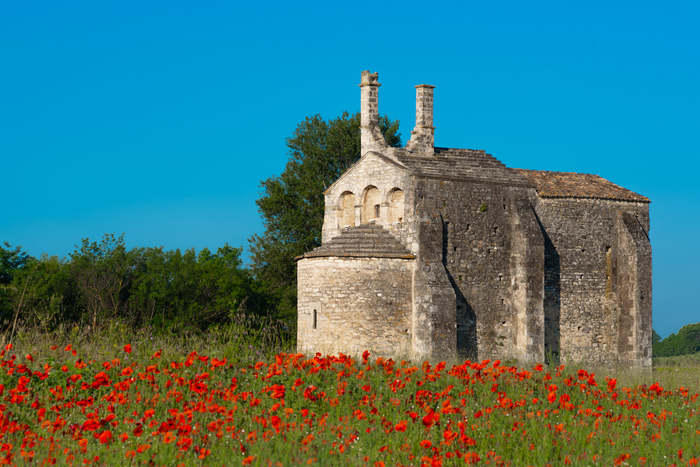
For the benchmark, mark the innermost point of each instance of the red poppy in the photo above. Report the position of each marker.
(143, 447)
(401, 426)
(431, 419)
(105, 437)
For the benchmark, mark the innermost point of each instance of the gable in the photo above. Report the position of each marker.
(372, 167)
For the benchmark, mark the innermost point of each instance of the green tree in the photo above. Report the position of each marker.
(655, 337)
(176, 291)
(103, 273)
(292, 204)
(43, 294)
(686, 342)
(11, 259)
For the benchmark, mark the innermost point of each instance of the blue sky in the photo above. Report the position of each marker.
(159, 119)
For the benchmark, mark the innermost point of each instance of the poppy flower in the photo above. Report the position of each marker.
(105, 437)
(430, 419)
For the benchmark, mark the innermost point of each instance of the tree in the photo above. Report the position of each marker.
(11, 259)
(292, 204)
(103, 273)
(686, 342)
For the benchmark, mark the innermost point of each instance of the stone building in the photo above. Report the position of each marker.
(431, 251)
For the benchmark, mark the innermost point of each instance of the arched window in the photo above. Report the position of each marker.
(370, 205)
(346, 218)
(396, 202)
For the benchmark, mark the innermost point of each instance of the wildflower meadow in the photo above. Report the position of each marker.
(149, 401)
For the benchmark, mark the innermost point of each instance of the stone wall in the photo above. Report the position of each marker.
(486, 240)
(585, 276)
(360, 304)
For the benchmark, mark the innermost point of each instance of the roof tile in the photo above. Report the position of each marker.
(576, 185)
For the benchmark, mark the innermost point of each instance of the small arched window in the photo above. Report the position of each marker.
(396, 206)
(371, 205)
(346, 217)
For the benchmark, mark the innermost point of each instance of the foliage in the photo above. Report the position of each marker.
(655, 337)
(687, 341)
(132, 402)
(11, 259)
(292, 204)
(104, 281)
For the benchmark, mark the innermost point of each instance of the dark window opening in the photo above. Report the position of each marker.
(376, 211)
(315, 318)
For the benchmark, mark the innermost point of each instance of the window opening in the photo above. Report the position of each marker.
(347, 214)
(370, 205)
(396, 206)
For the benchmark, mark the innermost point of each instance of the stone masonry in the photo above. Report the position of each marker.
(431, 251)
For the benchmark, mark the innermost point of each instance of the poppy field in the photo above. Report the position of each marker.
(63, 408)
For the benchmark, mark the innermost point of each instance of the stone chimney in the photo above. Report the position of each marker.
(372, 138)
(422, 140)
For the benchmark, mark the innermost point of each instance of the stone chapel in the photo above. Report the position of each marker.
(430, 252)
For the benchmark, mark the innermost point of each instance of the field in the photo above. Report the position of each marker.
(241, 397)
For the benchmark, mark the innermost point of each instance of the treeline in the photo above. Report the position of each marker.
(686, 342)
(172, 291)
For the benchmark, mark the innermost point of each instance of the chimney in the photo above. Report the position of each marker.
(372, 138)
(423, 135)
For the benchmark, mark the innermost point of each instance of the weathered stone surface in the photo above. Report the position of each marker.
(435, 251)
(359, 304)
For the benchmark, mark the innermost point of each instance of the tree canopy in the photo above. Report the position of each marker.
(11, 259)
(686, 342)
(292, 204)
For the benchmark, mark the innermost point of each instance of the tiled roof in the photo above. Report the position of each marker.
(364, 241)
(462, 164)
(575, 185)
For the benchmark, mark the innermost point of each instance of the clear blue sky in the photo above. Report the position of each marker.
(159, 119)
